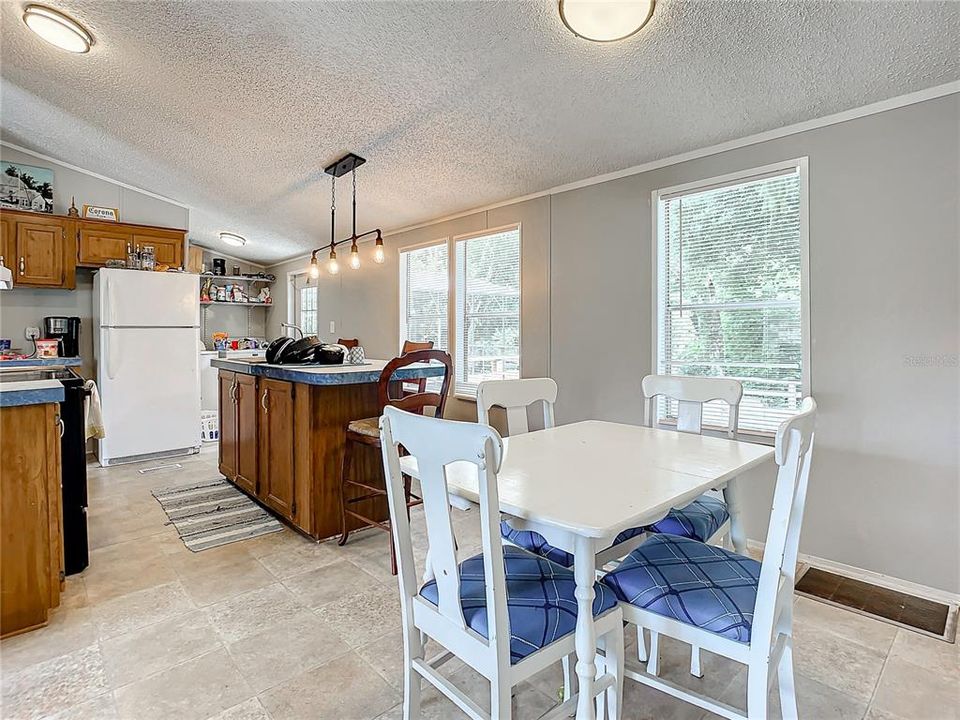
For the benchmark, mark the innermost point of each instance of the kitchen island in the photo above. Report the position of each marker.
(282, 435)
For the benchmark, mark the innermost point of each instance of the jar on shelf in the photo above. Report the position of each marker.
(148, 258)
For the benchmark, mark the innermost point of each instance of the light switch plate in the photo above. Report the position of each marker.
(32, 333)
(333, 326)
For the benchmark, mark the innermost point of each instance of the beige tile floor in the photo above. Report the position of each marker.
(279, 627)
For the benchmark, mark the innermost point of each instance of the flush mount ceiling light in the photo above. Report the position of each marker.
(605, 20)
(57, 29)
(233, 239)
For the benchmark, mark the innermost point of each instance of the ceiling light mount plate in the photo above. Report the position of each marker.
(605, 21)
(348, 163)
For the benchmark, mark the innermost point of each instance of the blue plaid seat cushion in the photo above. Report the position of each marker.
(699, 520)
(537, 544)
(695, 583)
(541, 605)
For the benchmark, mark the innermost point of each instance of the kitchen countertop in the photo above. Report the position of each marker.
(31, 392)
(41, 362)
(328, 374)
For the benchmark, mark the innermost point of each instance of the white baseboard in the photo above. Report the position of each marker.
(874, 578)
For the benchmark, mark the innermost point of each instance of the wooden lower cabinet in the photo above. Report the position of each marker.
(276, 429)
(31, 551)
(293, 434)
(228, 425)
(247, 468)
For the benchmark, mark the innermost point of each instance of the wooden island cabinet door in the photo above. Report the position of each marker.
(247, 471)
(228, 425)
(277, 485)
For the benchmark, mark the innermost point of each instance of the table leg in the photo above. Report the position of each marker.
(731, 496)
(585, 574)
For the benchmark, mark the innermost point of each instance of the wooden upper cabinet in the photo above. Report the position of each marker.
(167, 245)
(6, 243)
(43, 254)
(98, 243)
(52, 246)
(276, 431)
(101, 241)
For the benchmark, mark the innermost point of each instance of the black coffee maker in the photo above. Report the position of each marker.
(66, 330)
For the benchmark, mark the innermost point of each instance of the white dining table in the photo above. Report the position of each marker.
(580, 485)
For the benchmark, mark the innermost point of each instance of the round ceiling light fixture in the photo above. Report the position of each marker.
(605, 20)
(57, 29)
(233, 239)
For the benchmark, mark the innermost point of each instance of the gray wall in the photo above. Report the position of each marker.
(884, 289)
(885, 313)
(366, 303)
(24, 307)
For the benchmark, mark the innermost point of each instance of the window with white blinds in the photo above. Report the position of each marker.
(488, 309)
(424, 284)
(730, 300)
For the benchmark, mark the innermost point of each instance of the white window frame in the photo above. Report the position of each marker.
(454, 301)
(293, 302)
(801, 166)
(445, 241)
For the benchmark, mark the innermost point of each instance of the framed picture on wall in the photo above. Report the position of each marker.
(26, 187)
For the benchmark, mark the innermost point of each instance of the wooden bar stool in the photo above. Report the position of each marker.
(367, 432)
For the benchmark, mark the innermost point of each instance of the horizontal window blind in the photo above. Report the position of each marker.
(488, 309)
(424, 282)
(730, 295)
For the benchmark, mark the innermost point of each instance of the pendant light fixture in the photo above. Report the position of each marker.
(347, 164)
(605, 20)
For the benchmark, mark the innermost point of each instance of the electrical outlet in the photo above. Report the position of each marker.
(32, 333)
(333, 326)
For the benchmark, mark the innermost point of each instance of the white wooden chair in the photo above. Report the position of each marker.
(709, 518)
(508, 618)
(729, 604)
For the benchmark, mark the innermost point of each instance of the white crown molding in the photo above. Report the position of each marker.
(84, 171)
(894, 103)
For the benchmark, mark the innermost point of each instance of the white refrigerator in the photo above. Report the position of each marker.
(146, 335)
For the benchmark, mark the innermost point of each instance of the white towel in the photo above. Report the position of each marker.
(92, 414)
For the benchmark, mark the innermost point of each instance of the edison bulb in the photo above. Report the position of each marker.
(355, 258)
(378, 255)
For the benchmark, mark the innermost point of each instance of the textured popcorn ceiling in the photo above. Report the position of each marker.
(235, 108)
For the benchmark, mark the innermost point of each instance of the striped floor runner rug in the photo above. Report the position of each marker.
(214, 513)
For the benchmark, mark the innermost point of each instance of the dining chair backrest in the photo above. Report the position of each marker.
(417, 400)
(793, 453)
(419, 385)
(412, 346)
(436, 443)
(515, 396)
(691, 393)
(349, 342)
